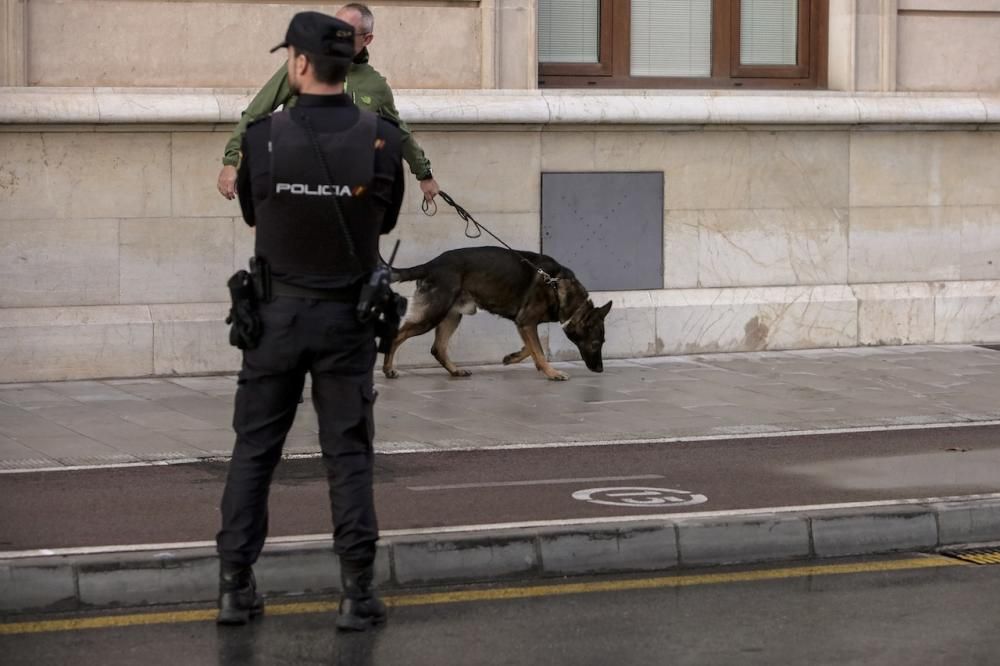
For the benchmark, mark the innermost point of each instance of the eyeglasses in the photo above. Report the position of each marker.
(361, 34)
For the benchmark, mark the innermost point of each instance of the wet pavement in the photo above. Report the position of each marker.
(100, 422)
(178, 503)
(924, 616)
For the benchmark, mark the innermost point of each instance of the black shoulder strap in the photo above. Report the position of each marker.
(337, 213)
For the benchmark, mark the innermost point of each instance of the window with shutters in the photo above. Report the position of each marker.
(682, 43)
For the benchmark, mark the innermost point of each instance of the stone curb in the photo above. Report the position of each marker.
(110, 580)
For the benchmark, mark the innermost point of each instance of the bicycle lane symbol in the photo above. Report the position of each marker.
(640, 497)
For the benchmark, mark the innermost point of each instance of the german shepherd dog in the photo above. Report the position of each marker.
(495, 279)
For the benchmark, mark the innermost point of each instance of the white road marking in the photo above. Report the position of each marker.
(145, 463)
(538, 482)
(395, 448)
(277, 543)
(647, 497)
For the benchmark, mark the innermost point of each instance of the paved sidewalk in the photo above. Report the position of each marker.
(128, 420)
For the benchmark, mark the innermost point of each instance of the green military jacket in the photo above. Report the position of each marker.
(367, 88)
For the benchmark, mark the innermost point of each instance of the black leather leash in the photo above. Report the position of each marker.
(473, 223)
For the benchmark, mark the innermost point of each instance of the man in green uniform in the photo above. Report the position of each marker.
(368, 90)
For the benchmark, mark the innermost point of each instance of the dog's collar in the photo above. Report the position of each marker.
(566, 323)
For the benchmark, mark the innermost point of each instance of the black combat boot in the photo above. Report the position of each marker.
(238, 598)
(359, 607)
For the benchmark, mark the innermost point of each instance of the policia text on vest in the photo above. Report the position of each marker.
(313, 190)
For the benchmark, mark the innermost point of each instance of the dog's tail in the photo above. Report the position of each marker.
(409, 274)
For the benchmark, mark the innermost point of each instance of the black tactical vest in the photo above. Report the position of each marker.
(297, 229)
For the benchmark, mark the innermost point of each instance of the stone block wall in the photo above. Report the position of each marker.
(225, 44)
(115, 245)
(948, 45)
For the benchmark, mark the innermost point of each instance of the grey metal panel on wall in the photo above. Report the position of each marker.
(606, 227)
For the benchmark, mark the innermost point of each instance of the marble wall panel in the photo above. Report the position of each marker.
(191, 339)
(967, 312)
(61, 262)
(220, 44)
(450, 47)
(55, 175)
(718, 320)
(681, 248)
(980, 258)
(772, 247)
(196, 159)
(244, 238)
(176, 260)
(895, 314)
(574, 150)
(945, 51)
(799, 169)
(948, 168)
(971, 162)
(485, 172)
(702, 170)
(905, 244)
(950, 5)
(54, 344)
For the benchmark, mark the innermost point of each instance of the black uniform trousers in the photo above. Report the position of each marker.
(325, 339)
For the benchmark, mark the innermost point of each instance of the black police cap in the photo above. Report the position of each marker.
(319, 34)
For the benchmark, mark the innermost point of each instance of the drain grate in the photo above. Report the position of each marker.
(975, 555)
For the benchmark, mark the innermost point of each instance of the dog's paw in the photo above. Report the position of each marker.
(461, 373)
(390, 373)
(558, 376)
(512, 358)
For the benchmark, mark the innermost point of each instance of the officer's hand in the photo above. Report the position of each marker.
(227, 182)
(430, 188)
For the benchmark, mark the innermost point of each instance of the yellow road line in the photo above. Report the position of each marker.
(980, 558)
(107, 622)
(465, 596)
(670, 581)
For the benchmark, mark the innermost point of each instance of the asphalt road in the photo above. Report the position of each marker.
(179, 503)
(823, 615)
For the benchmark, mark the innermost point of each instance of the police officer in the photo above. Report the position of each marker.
(319, 182)
(367, 88)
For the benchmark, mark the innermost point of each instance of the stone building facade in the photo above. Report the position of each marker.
(860, 209)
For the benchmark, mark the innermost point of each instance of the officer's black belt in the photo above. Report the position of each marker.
(340, 295)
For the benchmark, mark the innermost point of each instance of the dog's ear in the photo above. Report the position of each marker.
(603, 311)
